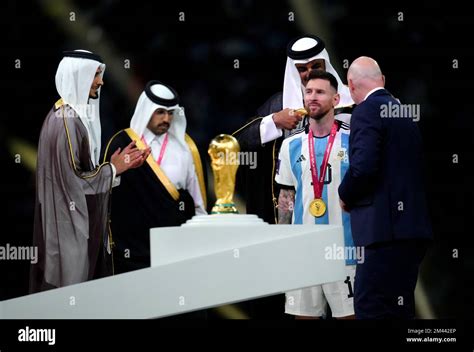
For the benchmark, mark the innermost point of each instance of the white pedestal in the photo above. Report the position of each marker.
(209, 261)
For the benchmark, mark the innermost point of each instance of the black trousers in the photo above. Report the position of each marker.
(385, 282)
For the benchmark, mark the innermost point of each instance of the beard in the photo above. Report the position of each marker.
(318, 115)
(161, 128)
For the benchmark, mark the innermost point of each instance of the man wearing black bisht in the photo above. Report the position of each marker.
(278, 118)
(169, 188)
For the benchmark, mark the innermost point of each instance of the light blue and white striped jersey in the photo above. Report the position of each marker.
(293, 169)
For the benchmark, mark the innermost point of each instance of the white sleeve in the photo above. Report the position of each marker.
(268, 130)
(192, 186)
(115, 179)
(283, 174)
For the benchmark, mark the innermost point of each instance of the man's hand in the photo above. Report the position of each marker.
(287, 118)
(343, 205)
(286, 202)
(131, 157)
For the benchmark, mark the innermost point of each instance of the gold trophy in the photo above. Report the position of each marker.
(224, 150)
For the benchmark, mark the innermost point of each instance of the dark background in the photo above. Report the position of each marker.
(197, 56)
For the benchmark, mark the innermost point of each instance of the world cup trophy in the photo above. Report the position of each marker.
(224, 150)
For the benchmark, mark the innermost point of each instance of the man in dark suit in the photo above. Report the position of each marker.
(383, 190)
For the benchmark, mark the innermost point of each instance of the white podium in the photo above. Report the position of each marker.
(210, 261)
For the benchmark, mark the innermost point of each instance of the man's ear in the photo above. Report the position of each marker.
(336, 99)
(350, 83)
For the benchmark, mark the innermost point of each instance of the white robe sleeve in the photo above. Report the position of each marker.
(115, 178)
(268, 130)
(192, 185)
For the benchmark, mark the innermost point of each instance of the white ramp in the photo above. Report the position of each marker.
(199, 265)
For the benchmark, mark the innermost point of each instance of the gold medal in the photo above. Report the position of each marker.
(317, 207)
(302, 112)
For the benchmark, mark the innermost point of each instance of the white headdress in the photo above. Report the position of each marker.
(74, 78)
(158, 95)
(304, 50)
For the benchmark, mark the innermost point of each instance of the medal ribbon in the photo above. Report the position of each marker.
(319, 184)
(162, 150)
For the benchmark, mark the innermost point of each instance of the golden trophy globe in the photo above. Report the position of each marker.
(224, 150)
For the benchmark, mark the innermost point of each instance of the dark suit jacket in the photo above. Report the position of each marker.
(384, 186)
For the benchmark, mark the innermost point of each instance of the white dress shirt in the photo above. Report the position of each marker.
(373, 90)
(178, 166)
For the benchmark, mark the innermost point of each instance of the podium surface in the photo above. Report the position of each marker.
(207, 262)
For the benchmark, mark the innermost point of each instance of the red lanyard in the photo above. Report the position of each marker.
(319, 184)
(163, 148)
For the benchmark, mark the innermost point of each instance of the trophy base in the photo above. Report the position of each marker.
(225, 208)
